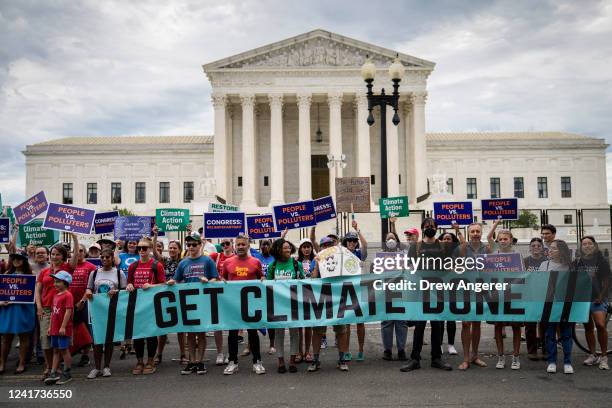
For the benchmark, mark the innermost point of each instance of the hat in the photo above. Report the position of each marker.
(326, 240)
(412, 231)
(333, 236)
(21, 254)
(63, 276)
(95, 245)
(305, 241)
(106, 241)
(194, 236)
(351, 235)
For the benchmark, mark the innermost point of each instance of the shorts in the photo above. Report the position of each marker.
(338, 329)
(599, 307)
(45, 322)
(61, 342)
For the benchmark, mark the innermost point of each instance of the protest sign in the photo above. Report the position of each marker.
(172, 219)
(353, 194)
(223, 225)
(218, 208)
(104, 223)
(393, 207)
(420, 296)
(447, 212)
(5, 230)
(17, 288)
(11, 215)
(95, 261)
(132, 228)
(34, 234)
(503, 209)
(503, 262)
(66, 218)
(324, 209)
(261, 227)
(294, 215)
(30, 208)
(338, 261)
(160, 233)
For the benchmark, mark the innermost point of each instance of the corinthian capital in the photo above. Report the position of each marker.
(218, 100)
(418, 98)
(248, 100)
(275, 100)
(304, 100)
(334, 99)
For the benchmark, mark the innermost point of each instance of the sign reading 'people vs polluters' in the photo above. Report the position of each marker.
(445, 213)
(393, 207)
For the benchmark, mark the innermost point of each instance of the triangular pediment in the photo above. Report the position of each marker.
(318, 48)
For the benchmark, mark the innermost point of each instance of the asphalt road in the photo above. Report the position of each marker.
(372, 383)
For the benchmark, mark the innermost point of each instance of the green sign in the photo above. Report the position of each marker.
(220, 208)
(393, 207)
(33, 233)
(172, 219)
(10, 214)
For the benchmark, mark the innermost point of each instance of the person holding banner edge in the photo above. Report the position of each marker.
(227, 251)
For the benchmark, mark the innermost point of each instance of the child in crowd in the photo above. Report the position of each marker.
(60, 329)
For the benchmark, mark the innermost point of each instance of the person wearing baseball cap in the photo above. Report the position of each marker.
(60, 328)
(94, 250)
(106, 243)
(412, 235)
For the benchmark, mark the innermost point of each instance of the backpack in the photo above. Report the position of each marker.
(296, 267)
(95, 273)
(132, 269)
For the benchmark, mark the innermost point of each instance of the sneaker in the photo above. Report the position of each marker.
(258, 368)
(452, 350)
(314, 366)
(66, 378)
(552, 368)
(84, 362)
(323, 343)
(188, 369)
(106, 372)
(231, 368)
(226, 361)
(501, 362)
(342, 366)
(360, 356)
(272, 351)
(201, 369)
(245, 352)
(591, 360)
(220, 359)
(568, 369)
(516, 363)
(603, 363)
(348, 356)
(93, 374)
(52, 378)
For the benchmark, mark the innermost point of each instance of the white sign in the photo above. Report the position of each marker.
(221, 208)
(338, 261)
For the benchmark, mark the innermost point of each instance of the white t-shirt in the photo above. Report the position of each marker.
(105, 280)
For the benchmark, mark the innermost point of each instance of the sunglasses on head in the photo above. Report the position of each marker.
(191, 244)
(142, 248)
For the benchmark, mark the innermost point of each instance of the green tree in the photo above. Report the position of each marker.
(124, 212)
(526, 219)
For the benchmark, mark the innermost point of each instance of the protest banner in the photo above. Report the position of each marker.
(104, 223)
(324, 209)
(353, 194)
(219, 208)
(294, 215)
(17, 288)
(338, 261)
(503, 209)
(33, 233)
(223, 225)
(172, 219)
(421, 295)
(503, 262)
(447, 212)
(95, 261)
(132, 228)
(393, 207)
(5, 230)
(31, 208)
(261, 227)
(66, 218)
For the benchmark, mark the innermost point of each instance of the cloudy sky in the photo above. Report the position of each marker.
(79, 68)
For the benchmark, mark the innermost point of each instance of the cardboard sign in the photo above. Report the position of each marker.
(31, 208)
(261, 227)
(294, 215)
(503, 262)
(5, 230)
(104, 223)
(172, 219)
(503, 209)
(34, 233)
(353, 194)
(223, 225)
(17, 288)
(66, 218)
(393, 207)
(132, 228)
(447, 212)
(218, 208)
(324, 209)
(338, 261)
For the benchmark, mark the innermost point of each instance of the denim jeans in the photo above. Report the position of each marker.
(401, 332)
(566, 341)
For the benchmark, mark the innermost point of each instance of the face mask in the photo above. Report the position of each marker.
(429, 232)
(391, 244)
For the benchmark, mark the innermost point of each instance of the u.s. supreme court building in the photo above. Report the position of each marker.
(282, 109)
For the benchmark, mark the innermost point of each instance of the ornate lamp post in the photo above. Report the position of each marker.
(396, 72)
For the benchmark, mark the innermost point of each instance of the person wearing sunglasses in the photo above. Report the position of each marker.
(227, 252)
(196, 267)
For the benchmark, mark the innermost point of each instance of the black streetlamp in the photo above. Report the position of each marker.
(396, 72)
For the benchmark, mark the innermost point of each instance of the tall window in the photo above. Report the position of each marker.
(566, 187)
(141, 193)
(542, 187)
(164, 191)
(450, 185)
(115, 193)
(495, 187)
(519, 187)
(67, 193)
(188, 191)
(472, 194)
(92, 193)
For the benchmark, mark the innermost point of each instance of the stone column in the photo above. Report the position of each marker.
(223, 170)
(277, 175)
(420, 145)
(409, 152)
(248, 152)
(364, 168)
(392, 156)
(304, 165)
(335, 137)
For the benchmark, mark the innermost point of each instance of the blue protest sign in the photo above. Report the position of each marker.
(447, 212)
(261, 227)
(31, 208)
(324, 209)
(294, 215)
(61, 217)
(104, 223)
(503, 262)
(5, 230)
(17, 288)
(223, 225)
(503, 209)
(95, 261)
(132, 228)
